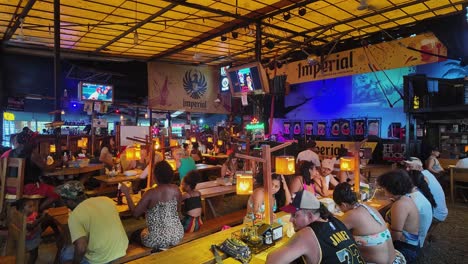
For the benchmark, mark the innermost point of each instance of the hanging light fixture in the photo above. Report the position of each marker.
(135, 37)
(302, 11)
(209, 139)
(223, 38)
(235, 34)
(363, 5)
(269, 44)
(286, 16)
(193, 139)
(220, 142)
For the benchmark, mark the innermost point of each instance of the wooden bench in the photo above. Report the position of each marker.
(214, 225)
(134, 251)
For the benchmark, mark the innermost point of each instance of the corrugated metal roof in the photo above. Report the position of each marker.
(190, 31)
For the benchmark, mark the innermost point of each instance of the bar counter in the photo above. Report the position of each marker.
(198, 251)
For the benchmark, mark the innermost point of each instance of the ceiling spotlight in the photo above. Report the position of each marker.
(196, 56)
(302, 11)
(363, 5)
(312, 61)
(286, 16)
(223, 38)
(269, 44)
(235, 34)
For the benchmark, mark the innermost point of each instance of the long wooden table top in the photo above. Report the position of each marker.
(116, 179)
(217, 156)
(72, 171)
(198, 251)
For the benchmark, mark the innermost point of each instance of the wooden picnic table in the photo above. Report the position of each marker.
(198, 251)
(74, 170)
(211, 189)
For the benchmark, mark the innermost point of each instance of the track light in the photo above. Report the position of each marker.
(286, 16)
(223, 38)
(302, 11)
(234, 34)
(363, 5)
(269, 44)
(312, 61)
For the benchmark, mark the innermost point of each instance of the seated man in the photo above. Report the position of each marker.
(319, 237)
(96, 231)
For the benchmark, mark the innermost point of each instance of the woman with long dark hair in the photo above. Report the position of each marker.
(367, 226)
(305, 179)
(403, 216)
(256, 202)
(418, 180)
(106, 154)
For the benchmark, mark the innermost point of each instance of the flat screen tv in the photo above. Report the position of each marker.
(96, 92)
(248, 78)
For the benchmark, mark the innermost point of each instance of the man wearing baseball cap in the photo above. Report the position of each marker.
(319, 238)
(96, 231)
(440, 212)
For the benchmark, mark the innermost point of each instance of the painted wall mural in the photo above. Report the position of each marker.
(360, 97)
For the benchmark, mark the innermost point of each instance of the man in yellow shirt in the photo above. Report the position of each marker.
(96, 231)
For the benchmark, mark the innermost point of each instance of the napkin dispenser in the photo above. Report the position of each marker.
(277, 231)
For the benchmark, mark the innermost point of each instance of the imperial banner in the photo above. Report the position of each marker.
(185, 88)
(398, 53)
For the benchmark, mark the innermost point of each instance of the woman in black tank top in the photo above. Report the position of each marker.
(191, 198)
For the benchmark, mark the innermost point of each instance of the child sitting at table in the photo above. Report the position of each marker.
(191, 198)
(35, 224)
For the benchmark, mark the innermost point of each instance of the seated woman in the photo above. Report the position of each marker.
(161, 206)
(28, 149)
(305, 180)
(322, 183)
(367, 226)
(229, 167)
(106, 155)
(196, 153)
(256, 205)
(403, 216)
(192, 208)
(433, 164)
(424, 201)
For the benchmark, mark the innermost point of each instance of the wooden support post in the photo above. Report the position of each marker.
(266, 154)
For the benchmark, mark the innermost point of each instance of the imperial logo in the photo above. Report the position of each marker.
(328, 67)
(195, 84)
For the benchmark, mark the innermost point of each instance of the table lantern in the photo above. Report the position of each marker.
(244, 184)
(52, 148)
(220, 142)
(133, 153)
(173, 143)
(172, 162)
(193, 139)
(285, 165)
(209, 139)
(83, 143)
(347, 164)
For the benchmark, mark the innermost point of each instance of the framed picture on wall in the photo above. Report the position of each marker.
(321, 128)
(309, 128)
(297, 128)
(335, 128)
(345, 127)
(373, 127)
(287, 129)
(359, 127)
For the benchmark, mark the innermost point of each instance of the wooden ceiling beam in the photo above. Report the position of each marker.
(240, 21)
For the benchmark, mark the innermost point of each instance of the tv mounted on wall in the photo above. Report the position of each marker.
(95, 92)
(248, 78)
